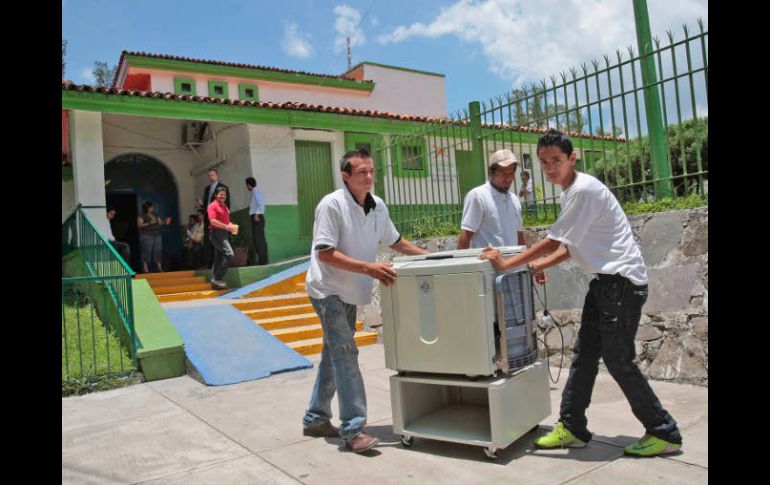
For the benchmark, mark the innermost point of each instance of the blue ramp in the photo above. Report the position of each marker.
(227, 347)
(271, 280)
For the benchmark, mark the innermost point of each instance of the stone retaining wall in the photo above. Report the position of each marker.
(672, 340)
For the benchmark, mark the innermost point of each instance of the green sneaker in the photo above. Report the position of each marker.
(649, 445)
(559, 437)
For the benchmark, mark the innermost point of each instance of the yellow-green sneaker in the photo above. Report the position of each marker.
(649, 445)
(559, 437)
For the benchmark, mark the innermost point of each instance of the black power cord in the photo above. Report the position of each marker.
(547, 313)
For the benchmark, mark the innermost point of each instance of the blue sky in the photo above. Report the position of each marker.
(484, 47)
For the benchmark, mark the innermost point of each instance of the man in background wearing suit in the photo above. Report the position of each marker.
(208, 198)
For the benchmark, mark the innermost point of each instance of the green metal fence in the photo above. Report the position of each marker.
(98, 337)
(601, 105)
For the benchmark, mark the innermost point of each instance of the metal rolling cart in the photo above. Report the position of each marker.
(462, 339)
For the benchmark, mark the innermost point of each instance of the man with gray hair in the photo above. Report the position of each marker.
(349, 224)
(491, 212)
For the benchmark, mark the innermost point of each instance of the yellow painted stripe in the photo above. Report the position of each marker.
(165, 290)
(289, 285)
(288, 322)
(193, 280)
(192, 295)
(271, 302)
(276, 312)
(170, 274)
(305, 333)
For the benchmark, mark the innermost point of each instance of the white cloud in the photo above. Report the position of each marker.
(347, 24)
(374, 21)
(526, 40)
(87, 75)
(295, 43)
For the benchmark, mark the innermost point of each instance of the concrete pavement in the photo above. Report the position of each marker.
(181, 431)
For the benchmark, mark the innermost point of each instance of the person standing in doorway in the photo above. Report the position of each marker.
(149, 236)
(122, 248)
(220, 227)
(257, 220)
(208, 198)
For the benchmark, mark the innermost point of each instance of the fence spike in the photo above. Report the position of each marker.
(620, 56)
(573, 70)
(553, 80)
(700, 24)
(607, 60)
(686, 30)
(563, 76)
(595, 63)
(631, 51)
(670, 36)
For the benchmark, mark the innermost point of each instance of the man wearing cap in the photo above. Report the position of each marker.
(491, 212)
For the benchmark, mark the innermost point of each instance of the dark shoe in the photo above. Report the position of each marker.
(322, 430)
(362, 442)
(218, 285)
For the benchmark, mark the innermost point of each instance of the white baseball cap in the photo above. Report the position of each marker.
(503, 158)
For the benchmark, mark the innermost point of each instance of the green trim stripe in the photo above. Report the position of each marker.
(246, 73)
(397, 68)
(242, 87)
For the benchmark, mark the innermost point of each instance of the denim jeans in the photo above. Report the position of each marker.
(338, 370)
(223, 253)
(611, 313)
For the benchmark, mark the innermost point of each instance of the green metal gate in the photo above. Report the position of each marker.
(314, 180)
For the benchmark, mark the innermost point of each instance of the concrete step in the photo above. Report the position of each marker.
(315, 346)
(296, 334)
(288, 322)
(289, 285)
(165, 290)
(168, 274)
(191, 295)
(281, 311)
(190, 280)
(272, 301)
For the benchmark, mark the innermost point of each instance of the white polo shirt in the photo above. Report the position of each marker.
(342, 224)
(493, 217)
(596, 231)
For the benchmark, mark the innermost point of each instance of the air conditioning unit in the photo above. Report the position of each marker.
(193, 133)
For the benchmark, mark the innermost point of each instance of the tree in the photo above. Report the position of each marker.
(63, 53)
(103, 74)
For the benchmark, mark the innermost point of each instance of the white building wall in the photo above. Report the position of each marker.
(406, 92)
(159, 138)
(228, 150)
(88, 164)
(395, 91)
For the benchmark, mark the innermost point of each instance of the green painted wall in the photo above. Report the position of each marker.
(281, 231)
(161, 355)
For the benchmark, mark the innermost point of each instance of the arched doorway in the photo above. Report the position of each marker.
(130, 180)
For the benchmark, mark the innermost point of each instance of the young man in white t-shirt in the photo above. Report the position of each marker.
(593, 229)
(349, 225)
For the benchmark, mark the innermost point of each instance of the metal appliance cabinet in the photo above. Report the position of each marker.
(490, 412)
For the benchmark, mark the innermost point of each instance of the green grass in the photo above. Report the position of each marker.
(90, 351)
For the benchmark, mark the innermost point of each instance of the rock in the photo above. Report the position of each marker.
(680, 359)
(671, 287)
(647, 333)
(661, 235)
(695, 237)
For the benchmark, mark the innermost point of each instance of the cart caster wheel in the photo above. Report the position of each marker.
(491, 453)
(407, 441)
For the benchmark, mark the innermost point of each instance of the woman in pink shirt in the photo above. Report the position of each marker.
(219, 227)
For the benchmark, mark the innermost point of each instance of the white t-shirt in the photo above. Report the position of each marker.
(342, 224)
(596, 231)
(493, 217)
(108, 231)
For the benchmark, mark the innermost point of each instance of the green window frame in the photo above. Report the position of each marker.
(222, 85)
(179, 83)
(242, 92)
(410, 158)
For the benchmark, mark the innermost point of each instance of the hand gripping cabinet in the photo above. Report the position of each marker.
(462, 338)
